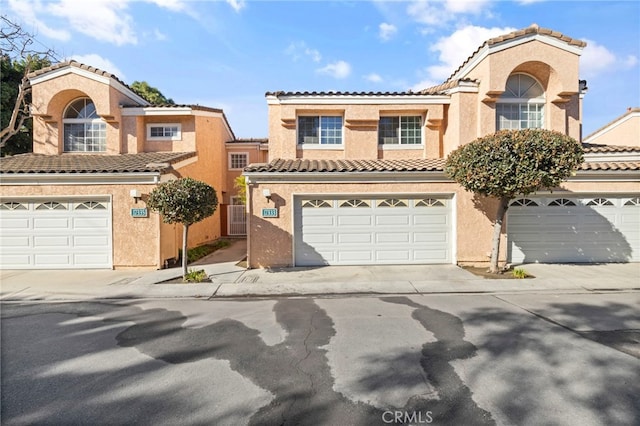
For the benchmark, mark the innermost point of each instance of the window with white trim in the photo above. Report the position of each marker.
(164, 131)
(320, 130)
(84, 130)
(238, 161)
(403, 130)
(521, 106)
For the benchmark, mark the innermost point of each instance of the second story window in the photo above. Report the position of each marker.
(521, 106)
(238, 161)
(403, 130)
(320, 130)
(84, 130)
(164, 131)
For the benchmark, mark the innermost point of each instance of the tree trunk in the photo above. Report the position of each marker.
(185, 232)
(497, 230)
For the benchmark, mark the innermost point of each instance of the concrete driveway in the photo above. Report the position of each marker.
(230, 280)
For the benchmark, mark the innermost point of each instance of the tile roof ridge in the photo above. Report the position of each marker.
(523, 32)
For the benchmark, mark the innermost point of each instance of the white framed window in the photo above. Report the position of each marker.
(402, 130)
(521, 106)
(320, 130)
(84, 130)
(238, 160)
(164, 131)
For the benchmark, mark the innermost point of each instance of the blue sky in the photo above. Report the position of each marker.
(227, 54)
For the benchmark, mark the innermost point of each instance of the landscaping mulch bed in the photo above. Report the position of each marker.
(482, 271)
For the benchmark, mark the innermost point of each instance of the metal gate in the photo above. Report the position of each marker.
(236, 220)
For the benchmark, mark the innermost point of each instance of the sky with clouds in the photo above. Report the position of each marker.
(228, 53)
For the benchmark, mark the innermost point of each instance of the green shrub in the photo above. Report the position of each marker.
(199, 252)
(520, 273)
(194, 276)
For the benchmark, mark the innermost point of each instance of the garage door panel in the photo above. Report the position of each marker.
(59, 241)
(90, 223)
(401, 256)
(395, 237)
(51, 223)
(355, 238)
(45, 238)
(53, 259)
(377, 233)
(580, 233)
(320, 238)
(320, 220)
(90, 241)
(392, 220)
(363, 256)
(431, 220)
(16, 259)
(15, 241)
(425, 237)
(358, 220)
(14, 223)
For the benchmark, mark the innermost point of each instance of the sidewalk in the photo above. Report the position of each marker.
(230, 280)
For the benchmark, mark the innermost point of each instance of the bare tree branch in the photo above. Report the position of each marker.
(17, 45)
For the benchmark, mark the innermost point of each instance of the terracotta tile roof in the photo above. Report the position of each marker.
(525, 32)
(592, 148)
(611, 166)
(341, 166)
(250, 140)
(77, 64)
(442, 88)
(169, 106)
(409, 165)
(332, 93)
(629, 112)
(90, 163)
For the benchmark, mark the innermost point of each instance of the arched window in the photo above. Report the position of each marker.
(521, 106)
(84, 131)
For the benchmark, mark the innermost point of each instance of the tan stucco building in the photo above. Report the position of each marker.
(357, 178)
(73, 202)
(345, 178)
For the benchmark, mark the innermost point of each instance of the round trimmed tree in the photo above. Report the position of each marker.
(512, 163)
(185, 201)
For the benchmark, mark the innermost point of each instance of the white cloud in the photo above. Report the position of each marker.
(26, 10)
(597, 59)
(630, 61)
(173, 5)
(104, 20)
(340, 69)
(424, 84)
(373, 78)
(97, 61)
(299, 49)
(237, 5)
(386, 31)
(439, 13)
(456, 48)
(159, 35)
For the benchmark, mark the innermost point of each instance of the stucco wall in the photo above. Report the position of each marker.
(272, 239)
(51, 98)
(360, 132)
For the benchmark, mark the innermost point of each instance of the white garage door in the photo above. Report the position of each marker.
(561, 229)
(55, 234)
(362, 230)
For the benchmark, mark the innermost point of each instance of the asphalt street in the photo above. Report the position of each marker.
(522, 359)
